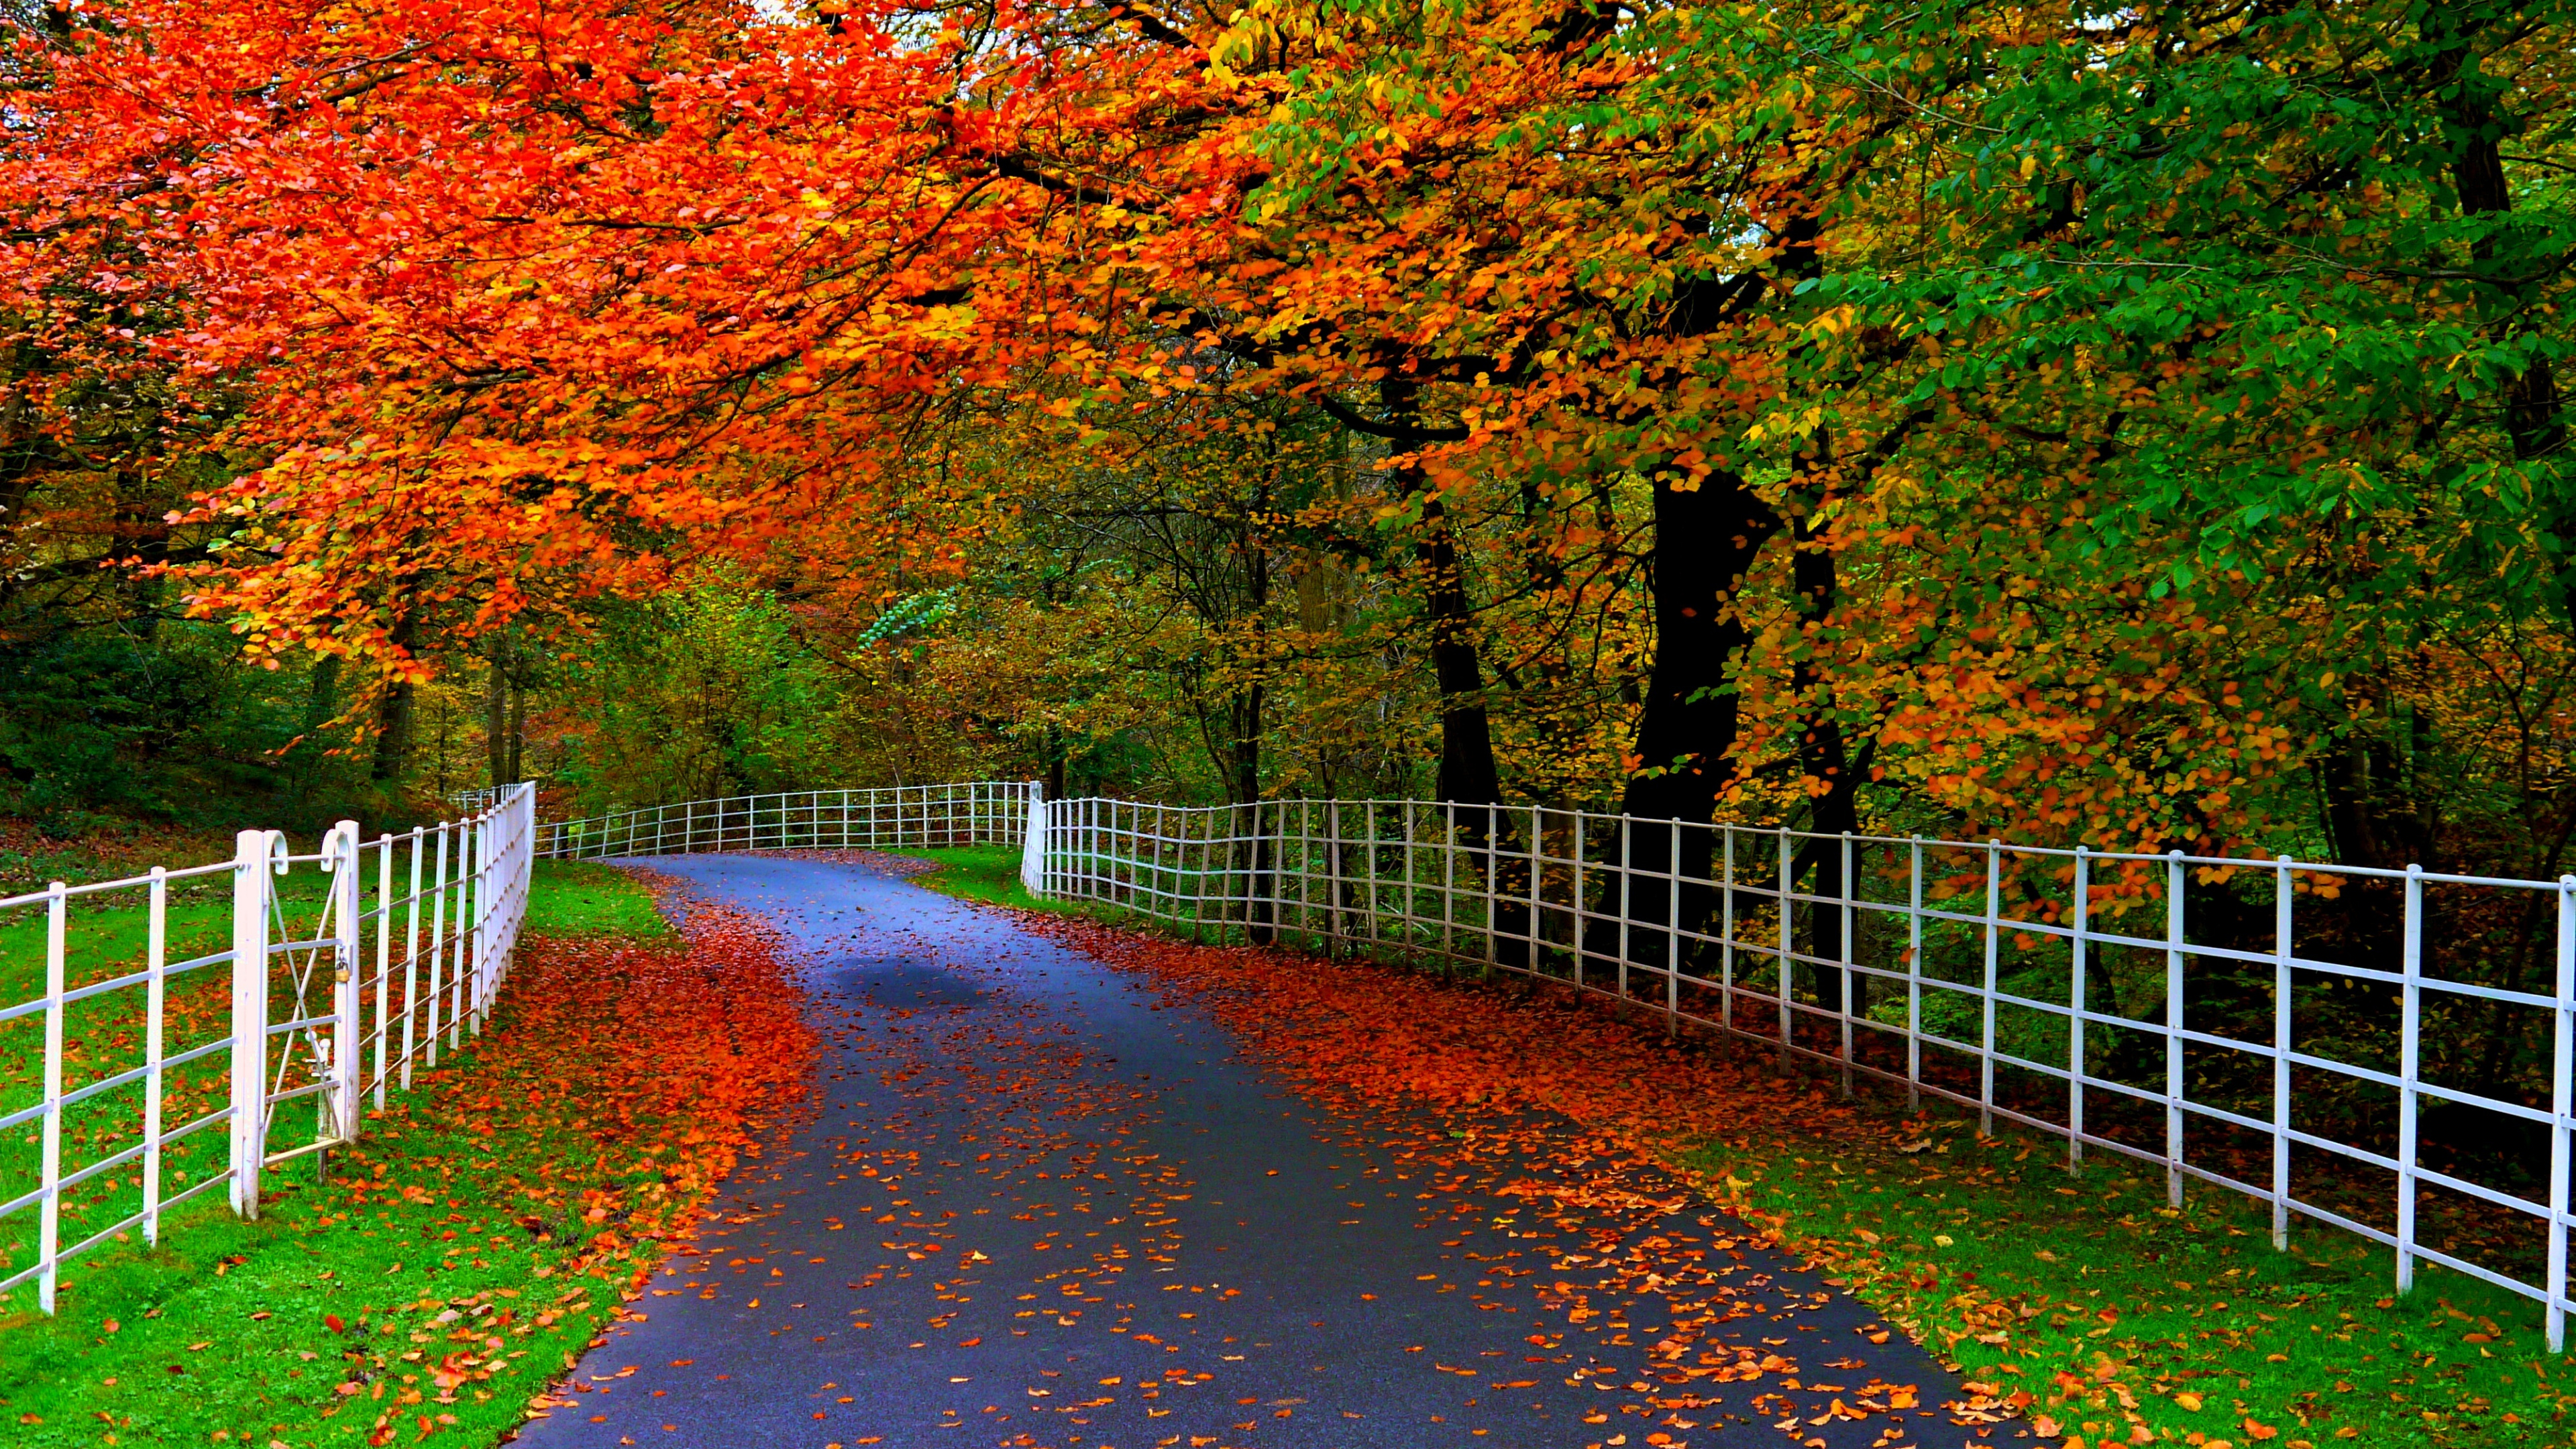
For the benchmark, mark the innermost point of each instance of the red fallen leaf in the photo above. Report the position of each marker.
(332, 1322)
(970, 1342)
(2254, 1430)
(682, 1362)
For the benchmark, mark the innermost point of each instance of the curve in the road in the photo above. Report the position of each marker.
(1033, 1203)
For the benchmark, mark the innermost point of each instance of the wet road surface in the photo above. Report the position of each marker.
(1033, 1203)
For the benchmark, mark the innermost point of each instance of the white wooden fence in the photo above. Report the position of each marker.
(2226, 1020)
(976, 812)
(179, 1002)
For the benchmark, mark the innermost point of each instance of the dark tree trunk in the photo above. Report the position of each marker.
(1822, 755)
(1705, 539)
(1467, 775)
(394, 711)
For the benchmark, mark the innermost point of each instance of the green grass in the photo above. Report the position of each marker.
(987, 873)
(2000, 1260)
(576, 898)
(225, 1333)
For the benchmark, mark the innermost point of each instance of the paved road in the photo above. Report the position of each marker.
(1035, 1204)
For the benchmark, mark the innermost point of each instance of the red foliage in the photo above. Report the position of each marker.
(668, 1058)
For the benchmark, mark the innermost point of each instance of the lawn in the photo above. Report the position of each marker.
(987, 873)
(2111, 1309)
(428, 1282)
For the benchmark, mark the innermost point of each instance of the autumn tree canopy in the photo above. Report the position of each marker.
(2134, 426)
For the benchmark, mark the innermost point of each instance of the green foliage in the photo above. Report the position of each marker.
(913, 614)
(173, 726)
(705, 693)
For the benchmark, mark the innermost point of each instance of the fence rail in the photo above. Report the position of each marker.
(2387, 1052)
(250, 985)
(976, 812)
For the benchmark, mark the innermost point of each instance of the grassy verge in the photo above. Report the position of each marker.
(987, 873)
(577, 898)
(2114, 1311)
(426, 1283)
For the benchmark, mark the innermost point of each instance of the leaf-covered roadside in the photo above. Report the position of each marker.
(2078, 1302)
(2113, 1310)
(483, 1233)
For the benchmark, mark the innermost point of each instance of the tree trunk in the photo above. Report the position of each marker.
(1822, 756)
(518, 731)
(1467, 774)
(1705, 539)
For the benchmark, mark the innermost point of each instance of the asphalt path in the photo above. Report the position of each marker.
(1033, 1202)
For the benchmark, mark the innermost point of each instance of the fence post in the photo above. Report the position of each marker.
(478, 887)
(2174, 886)
(1336, 893)
(249, 1135)
(411, 958)
(437, 945)
(1627, 900)
(1033, 847)
(1726, 927)
(2281, 925)
(49, 1214)
(2078, 994)
(1851, 959)
(348, 1062)
(1914, 979)
(1673, 934)
(155, 1044)
(1537, 874)
(1986, 1019)
(384, 958)
(2410, 1066)
(1788, 970)
(460, 966)
(1581, 932)
(2562, 1077)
